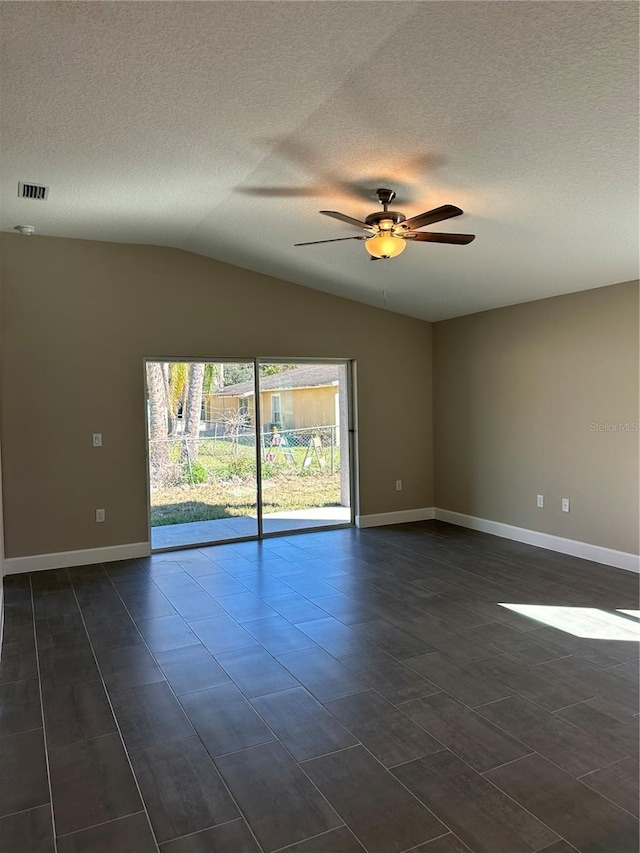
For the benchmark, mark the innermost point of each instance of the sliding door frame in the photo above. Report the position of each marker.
(349, 364)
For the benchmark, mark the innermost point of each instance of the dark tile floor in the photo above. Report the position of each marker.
(322, 693)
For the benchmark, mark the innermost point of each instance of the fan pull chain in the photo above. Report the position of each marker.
(384, 289)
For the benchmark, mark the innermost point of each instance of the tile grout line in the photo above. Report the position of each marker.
(473, 710)
(553, 844)
(23, 731)
(524, 808)
(386, 769)
(562, 769)
(604, 767)
(44, 728)
(417, 798)
(144, 643)
(115, 719)
(444, 835)
(31, 808)
(285, 748)
(604, 796)
(608, 799)
(206, 828)
(102, 823)
(318, 835)
(335, 751)
(507, 763)
(446, 748)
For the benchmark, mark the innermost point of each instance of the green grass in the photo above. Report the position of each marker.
(228, 498)
(229, 474)
(224, 461)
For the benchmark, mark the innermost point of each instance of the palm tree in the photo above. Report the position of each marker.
(173, 387)
(192, 410)
(158, 422)
(176, 377)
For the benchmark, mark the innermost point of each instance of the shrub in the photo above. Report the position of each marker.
(269, 469)
(238, 466)
(195, 473)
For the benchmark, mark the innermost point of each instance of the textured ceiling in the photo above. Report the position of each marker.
(223, 127)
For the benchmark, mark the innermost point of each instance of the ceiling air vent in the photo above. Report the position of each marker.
(36, 191)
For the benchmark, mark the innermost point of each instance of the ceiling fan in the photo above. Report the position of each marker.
(390, 231)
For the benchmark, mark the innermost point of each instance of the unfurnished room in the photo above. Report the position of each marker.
(319, 421)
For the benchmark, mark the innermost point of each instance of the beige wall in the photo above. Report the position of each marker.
(516, 391)
(79, 317)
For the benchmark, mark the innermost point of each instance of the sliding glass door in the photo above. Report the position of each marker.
(202, 453)
(304, 412)
(242, 449)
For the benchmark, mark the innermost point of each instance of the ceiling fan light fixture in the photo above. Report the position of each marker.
(390, 230)
(385, 245)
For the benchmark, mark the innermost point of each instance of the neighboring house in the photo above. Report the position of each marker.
(304, 396)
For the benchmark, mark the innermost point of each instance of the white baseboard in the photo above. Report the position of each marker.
(596, 553)
(402, 517)
(67, 559)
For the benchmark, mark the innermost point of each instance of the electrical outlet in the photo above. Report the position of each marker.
(565, 504)
(100, 515)
(97, 439)
(540, 501)
(398, 485)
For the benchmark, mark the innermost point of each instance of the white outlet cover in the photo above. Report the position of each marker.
(540, 501)
(565, 504)
(97, 439)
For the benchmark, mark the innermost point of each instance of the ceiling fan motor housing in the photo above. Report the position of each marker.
(385, 197)
(384, 216)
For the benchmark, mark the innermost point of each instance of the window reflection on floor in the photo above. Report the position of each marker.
(585, 622)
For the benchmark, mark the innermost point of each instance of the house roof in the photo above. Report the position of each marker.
(306, 376)
(223, 128)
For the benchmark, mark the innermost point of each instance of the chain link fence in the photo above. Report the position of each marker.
(182, 461)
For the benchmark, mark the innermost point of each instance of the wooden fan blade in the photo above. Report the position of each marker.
(447, 211)
(335, 240)
(343, 218)
(435, 237)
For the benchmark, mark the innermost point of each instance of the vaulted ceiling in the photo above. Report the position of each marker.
(223, 127)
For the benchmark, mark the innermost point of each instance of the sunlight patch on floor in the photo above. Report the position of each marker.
(587, 622)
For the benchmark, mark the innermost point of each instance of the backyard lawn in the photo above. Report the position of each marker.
(222, 484)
